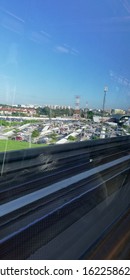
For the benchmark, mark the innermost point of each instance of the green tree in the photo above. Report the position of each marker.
(35, 133)
(51, 113)
(95, 137)
(90, 115)
(5, 123)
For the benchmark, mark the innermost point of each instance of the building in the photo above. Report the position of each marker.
(11, 110)
(118, 111)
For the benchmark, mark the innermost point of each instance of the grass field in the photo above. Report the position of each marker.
(9, 145)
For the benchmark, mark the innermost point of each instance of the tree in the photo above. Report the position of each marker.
(35, 133)
(90, 115)
(95, 137)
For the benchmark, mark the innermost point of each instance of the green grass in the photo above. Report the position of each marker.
(9, 145)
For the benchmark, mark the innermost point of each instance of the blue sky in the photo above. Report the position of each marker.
(53, 50)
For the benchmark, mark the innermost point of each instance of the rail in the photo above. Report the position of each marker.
(39, 217)
(59, 207)
(54, 156)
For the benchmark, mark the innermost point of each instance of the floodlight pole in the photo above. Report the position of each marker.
(104, 99)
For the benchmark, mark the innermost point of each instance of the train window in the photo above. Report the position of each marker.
(64, 128)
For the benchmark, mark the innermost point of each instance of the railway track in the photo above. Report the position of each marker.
(52, 204)
(15, 188)
(51, 210)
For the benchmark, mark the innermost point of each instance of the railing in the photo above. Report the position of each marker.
(54, 156)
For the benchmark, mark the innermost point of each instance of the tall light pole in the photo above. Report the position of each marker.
(104, 99)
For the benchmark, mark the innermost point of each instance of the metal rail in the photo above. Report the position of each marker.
(37, 181)
(80, 195)
(55, 156)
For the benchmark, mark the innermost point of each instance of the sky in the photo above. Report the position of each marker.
(54, 50)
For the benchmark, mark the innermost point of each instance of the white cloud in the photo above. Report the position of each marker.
(65, 49)
(61, 49)
(45, 34)
(14, 16)
(126, 5)
(119, 79)
(74, 51)
(38, 37)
